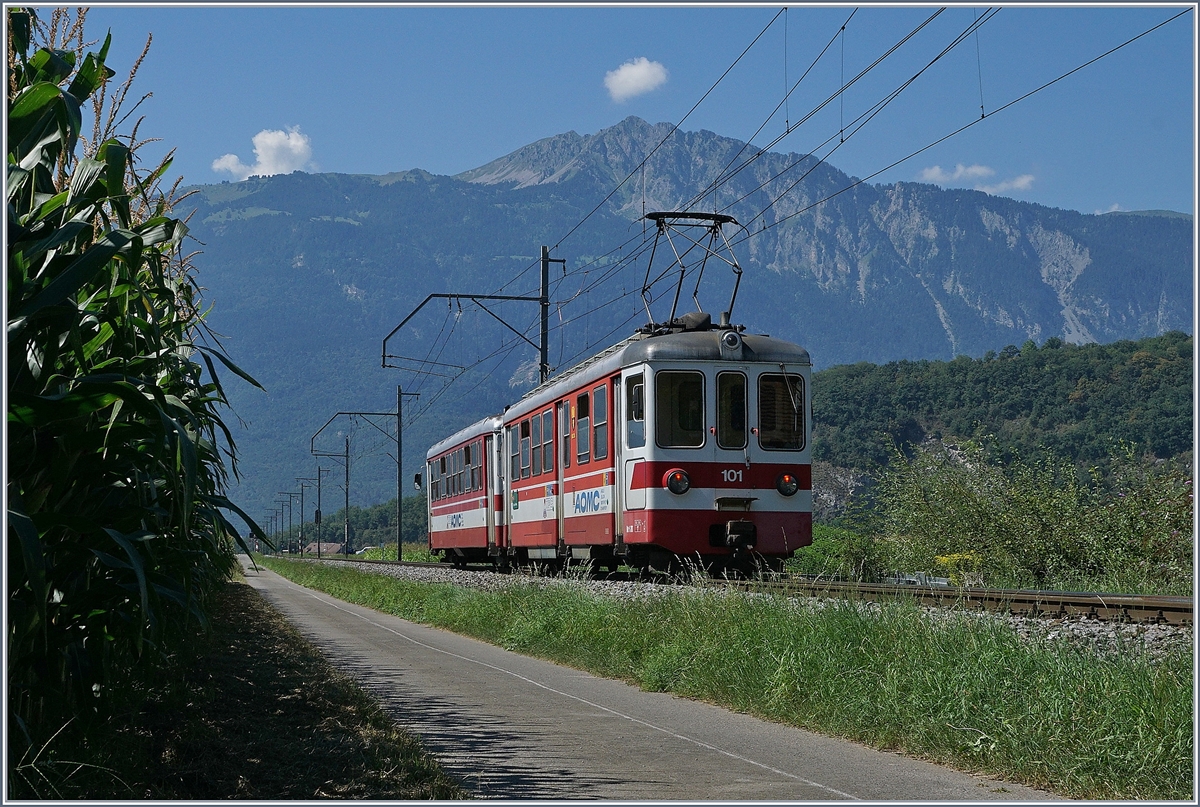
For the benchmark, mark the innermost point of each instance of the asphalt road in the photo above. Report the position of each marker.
(513, 727)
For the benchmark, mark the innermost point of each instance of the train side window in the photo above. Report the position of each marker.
(781, 412)
(583, 431)
(564, 431)
(535, 440)
(679, 409)
(547, 441)
(476, 466)
(514, 448)
(433, 480)
(524, 449)
(600, 422)
(635, 416)
(731, 410)
(456, 457)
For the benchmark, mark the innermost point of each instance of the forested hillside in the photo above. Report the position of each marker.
(1073, 400)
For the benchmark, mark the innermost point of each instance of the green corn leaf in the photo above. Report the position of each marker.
(52, 65)
(32, 552)
(58, 236)
(137, 564)
(92, 73)
(84, 177)
(79, 272)
(20, 26)
(30, 111)
(228, 363)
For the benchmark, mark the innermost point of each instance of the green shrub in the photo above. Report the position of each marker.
(1037, 523)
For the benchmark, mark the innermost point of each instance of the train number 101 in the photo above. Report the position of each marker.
(732, 474)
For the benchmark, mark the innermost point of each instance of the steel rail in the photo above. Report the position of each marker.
(1018, 602)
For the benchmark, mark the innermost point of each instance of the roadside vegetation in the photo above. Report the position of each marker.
(248, 710)
(961, 690)
(117, 532)
(966, 514)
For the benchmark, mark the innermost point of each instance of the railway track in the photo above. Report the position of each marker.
(1125, 608)
(1040, 604)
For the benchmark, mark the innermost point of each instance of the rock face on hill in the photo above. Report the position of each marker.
(308, 272)
(948, 271)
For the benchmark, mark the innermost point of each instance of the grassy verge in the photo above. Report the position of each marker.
(960, 691)
(255, 713)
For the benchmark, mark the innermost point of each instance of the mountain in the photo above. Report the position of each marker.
(308, 273)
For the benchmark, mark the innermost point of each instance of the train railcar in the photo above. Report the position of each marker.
(466, 520)
(691, 443)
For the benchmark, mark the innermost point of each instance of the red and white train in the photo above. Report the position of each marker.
(690, 444)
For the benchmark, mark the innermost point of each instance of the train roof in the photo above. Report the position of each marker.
(699, 344)
(489, 424)
(685, 345)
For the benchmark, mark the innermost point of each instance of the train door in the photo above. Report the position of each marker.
(488, 461)
(632, 437)
(562, 450)
(618, 444)
(499, 490)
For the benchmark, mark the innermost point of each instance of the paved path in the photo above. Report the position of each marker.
(513, 727)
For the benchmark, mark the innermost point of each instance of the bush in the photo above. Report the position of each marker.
(957, 511)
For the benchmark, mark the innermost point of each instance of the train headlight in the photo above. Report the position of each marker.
(787, 484)
(677, 481)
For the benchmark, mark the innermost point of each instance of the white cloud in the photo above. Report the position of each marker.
(1021, 183)
(1115, 207)
(941, 176)
(965, 174)
(275, 152)
(634, 77)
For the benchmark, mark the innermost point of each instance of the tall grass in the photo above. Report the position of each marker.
(960, 690)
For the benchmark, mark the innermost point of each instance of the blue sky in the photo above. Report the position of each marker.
(375, 89)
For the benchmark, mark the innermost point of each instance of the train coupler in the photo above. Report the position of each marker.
(733, 534)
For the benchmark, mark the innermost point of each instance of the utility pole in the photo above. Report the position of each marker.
(400, 469)
(305, 482)
(544, 301)
(317, 517)
(347, 525)
(288, 535)
(290, 502)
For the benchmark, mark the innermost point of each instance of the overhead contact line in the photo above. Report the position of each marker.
(963, 128)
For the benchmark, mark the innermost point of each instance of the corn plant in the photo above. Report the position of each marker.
(117, 525)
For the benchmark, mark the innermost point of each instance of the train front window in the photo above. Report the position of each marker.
(679, 409)
(731, 410)
(781, 411)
